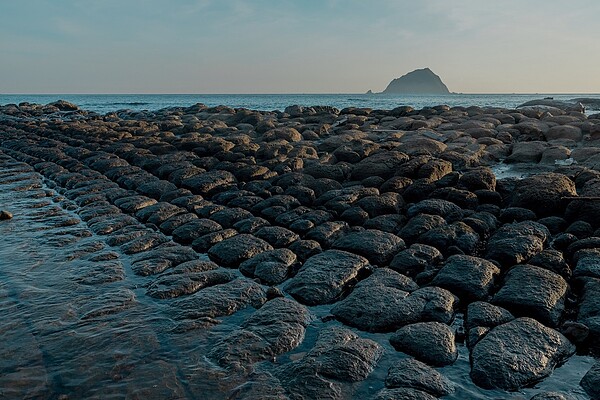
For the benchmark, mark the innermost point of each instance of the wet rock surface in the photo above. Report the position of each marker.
(206, 252)
(536, 349)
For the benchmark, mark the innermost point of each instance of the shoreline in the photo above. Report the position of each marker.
(316, 233)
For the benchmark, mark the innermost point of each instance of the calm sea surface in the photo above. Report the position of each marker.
(266, 102)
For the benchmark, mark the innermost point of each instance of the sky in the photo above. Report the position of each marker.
(297, 46)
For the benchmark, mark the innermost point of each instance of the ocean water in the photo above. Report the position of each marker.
(103, 103)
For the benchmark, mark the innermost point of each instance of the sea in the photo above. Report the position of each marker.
(104, 103)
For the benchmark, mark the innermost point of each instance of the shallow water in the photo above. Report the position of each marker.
(103, 103)
(70, 329)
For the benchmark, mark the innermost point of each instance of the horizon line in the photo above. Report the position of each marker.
(296, 93)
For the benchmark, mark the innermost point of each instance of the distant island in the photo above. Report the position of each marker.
(420, 81)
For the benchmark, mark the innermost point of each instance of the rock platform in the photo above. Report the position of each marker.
(345, 240)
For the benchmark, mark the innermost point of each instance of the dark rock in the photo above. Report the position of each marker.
(430, 342)
(327, 233)
(377, 246)
(533, 292)
(462, 198)
(277, 327)
(389, 278)
(516, 243)
(589, 311)
(411, 373)
(552, 260)
(64, 105)
(233, 251)
(355, 216)
(551, 396)
(4, 215)
(455, 238)
(271, 267)
(402, 394)
(562, 241)
(158, 213)
(591, 381)
(482, 178)
(581, 229)
(395, 184)
(388, 223)
(324, 276)
(143, 243)
(554, 224)
(250, 225)
(378, 308)
(160, 258)
(194, 229)
(156, 189)
(341, 354)
(386, 203)
(178, 284)
(205, 242)
(419, 225)
(176, 221)
(543, 193)
(416, 259)
(304, 249)
(220, 300)
(338, 355)
(228, 217)
(470, 278)
(210, 182)
(277, 236)
(587, 263)
(525, 342)
(576, 332)
(445, 209)
(487, 315)
(516, 214)
(382, 164)
(587, 243)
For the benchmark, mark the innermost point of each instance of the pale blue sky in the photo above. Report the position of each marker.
(296, 46)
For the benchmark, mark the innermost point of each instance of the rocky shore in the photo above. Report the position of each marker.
(343, 237)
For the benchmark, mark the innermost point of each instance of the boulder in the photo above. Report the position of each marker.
(451, 239)
(480, 313)
(277, 327)
(416, 259)
(402, 394)
(523, 342)
(516, 243)
(194, 229)
(591, 381)
(377, 246)
(411, 373)
(271, 267)
(470, 278)
(430, 342)
(533, 292)
(220, 300)
(233, 251)
(445, 209)
(564, 132)
(543, 193)
(420, 225)
(324, 277)
(527, 152)
(379, 308)
(589, 311)
(382, 164)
